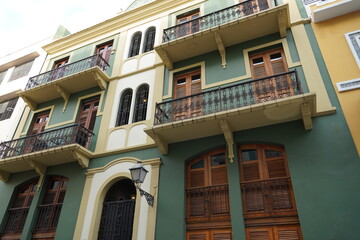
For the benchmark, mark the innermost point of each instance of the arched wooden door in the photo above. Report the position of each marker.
(118, 212)
(207, 198)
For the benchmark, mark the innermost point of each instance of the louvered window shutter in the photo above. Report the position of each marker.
(290, 233)
(259, 234)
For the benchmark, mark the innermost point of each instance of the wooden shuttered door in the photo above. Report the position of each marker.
(207, 198)
(186, 85)
(274, 233)
(105, 51)
(87, 115)
(264, 65)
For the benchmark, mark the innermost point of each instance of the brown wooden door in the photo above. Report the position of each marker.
(87, 115)
(207, 197)
(285, 232)
(265, 65)
(105, 51)
(59, 69)
(186, 85)
(187, 24)
(218, 234)
(33, 142)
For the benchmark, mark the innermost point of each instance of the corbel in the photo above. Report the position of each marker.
(82, 160)
(166, 59)
(64, 94)
(228, 134)
(4, 176)
(306, 116)
(101, 83)
(221, 48)
(281, 17)
(40, 170)
(32, 105)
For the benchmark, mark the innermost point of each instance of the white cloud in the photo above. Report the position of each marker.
(23, 22)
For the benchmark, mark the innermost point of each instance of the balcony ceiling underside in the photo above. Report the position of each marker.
(274, 20)
(46, 158)
(63, 87)
(278, 111)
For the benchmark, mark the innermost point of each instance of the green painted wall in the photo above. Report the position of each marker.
(215, 73)
(69, 212)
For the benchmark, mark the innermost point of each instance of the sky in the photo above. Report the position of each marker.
(23, 22)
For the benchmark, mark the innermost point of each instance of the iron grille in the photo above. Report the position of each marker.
(67, 70)
(270, 196)
(48, 218)
(117, 220)
(217, 18)
(231, 97)
(15, 220)
(212, 201)
(45, 140)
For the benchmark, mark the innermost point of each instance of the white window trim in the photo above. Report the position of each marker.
(348, 85)
(352, 46)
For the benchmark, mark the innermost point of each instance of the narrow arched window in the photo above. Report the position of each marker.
(17, 213)
(149, 39)
(135, 44)
(124, 109)
(141, 101)
(118, 211)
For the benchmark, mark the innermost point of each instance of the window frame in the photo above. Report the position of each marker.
(135, 44)
(141, 103)
(123, 113)
(149, 39)
(354, 44)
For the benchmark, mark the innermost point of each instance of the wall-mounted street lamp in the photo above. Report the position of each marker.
(138, 174)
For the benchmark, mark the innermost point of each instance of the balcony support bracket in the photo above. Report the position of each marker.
(4, 176)
(32, 105)
(101, 83)
(306, 116)
(40, 169)
(221, 48)
(282, 22)
(166, 59)
(64, 94)
(82, 160)
(228, 134)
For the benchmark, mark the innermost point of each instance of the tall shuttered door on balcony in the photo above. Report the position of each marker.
(266, 65)
(118, 212)
(207, 198)
(87, 115)
(17, 214)
(187, 23)
(186, 85)
(38, 126)
(48, 212)
(267, 191)
(105, 50)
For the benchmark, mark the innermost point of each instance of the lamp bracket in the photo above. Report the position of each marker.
(148, 196)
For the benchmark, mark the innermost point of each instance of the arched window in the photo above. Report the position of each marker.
(118, 211)
(50, 209)
(149, 39)
(141, 101)
(135, 44)
(16, 215)
(124, 109)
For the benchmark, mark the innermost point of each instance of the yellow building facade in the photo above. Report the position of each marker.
(337, 28)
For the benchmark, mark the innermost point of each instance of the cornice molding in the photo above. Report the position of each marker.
(109, 25)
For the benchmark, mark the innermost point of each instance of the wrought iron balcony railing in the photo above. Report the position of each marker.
(15, 220)
(48, 218)
(67, 70)
(231, 97)
(212, 201)
(45, 140)
(267, 197)
(217, 18)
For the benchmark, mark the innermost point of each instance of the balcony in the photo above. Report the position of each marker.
(216, 31)
(63, 145)
(65, 80)
(268, 199)
(207, 204)
(254, 103)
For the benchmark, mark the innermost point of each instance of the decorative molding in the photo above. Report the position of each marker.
(348, 85)
(64, 94)
(4, 176)
(353, 39)
(31, 104)
(82, 160)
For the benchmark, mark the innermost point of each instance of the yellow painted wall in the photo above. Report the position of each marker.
(341, 64)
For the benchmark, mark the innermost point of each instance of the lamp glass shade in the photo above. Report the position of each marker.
(138, 173)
